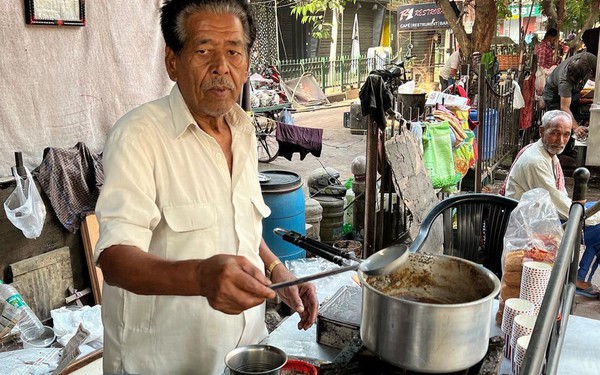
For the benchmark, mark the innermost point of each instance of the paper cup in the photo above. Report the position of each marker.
(512, 308)
(534, 281)
(522, 326)
(520, 350)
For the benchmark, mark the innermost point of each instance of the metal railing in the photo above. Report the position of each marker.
(345, 71)
(498, 131)
(551, 324)
(342, 72)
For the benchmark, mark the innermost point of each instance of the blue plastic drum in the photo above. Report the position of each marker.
(282, 192)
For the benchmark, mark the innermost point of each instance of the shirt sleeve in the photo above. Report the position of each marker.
(126, 207)
(565, 88)
(455, 60)
(542, 177)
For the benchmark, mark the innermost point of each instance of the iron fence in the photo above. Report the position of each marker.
(346, 71)
(498, 131)
(339, 73)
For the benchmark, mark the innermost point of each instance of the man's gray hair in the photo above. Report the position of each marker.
(175, 12)
(549, 119)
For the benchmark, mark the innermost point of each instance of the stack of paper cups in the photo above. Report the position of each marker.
(534, 282)
(522, 326)
(512, 308)
(520, 350)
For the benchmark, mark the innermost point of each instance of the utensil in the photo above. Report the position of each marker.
(255, 359)
(433, 315)
(381, 263)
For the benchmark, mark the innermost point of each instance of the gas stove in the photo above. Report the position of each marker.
(338, 326)
(355, 359)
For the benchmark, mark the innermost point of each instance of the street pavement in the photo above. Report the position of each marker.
(340, 147)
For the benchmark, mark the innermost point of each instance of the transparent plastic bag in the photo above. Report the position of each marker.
(286, 117)
(534, 233)
(24, 206)
(534, 228)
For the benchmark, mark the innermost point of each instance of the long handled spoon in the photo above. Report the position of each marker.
(383, 262)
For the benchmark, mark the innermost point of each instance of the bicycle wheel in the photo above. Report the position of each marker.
(266, 143)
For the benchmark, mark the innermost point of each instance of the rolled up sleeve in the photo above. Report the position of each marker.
(126, 209)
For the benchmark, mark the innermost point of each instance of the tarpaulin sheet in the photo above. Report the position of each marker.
(304, 91)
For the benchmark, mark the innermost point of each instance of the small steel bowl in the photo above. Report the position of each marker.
(255, 360)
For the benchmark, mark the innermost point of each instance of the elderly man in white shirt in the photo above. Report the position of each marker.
(537, 166)
(180, 212)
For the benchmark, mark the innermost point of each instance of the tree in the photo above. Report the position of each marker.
(575, 15)
(314, 12)
(484, 25)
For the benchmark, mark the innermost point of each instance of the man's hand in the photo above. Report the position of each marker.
(301, 298)
(580, 132)
(232, 284)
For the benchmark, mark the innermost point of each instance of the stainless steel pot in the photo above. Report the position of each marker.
(433, 314)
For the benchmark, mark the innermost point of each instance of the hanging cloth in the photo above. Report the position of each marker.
(375, 99)
(293, 138)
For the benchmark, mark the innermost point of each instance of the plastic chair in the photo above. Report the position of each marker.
(474, 225)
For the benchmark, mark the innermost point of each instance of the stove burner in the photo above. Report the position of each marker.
(355, 359)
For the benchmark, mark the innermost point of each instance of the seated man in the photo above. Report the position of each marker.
(564, 85)
(537, 166)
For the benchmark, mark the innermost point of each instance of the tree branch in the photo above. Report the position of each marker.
(456, 26)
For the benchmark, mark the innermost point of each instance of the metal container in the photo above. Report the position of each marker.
(255, 360)
(432, 315)
(338, 320)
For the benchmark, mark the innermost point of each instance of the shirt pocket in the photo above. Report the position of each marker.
(192, 231)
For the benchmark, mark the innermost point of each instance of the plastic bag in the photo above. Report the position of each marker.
(534, 232)
(286, 117)
(407, 88)
(24, 206)
(437, 155)
(534, 227)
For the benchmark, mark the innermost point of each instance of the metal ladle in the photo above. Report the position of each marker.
(383, 262)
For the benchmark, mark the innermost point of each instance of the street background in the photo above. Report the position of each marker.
(340, 147)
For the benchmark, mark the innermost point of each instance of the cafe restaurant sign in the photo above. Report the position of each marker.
(421, 16)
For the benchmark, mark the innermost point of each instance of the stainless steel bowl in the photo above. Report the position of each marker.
(255, 360)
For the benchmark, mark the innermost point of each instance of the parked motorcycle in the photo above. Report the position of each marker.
(393, 75)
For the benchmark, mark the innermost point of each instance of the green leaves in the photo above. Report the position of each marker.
(313, 12)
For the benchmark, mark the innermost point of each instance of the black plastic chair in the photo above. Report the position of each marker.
(474, 225)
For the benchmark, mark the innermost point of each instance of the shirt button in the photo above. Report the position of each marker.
(219, 154)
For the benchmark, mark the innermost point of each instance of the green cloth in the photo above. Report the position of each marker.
(437, 155)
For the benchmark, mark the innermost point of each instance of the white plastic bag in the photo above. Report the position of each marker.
(407, 88)
(24, 206)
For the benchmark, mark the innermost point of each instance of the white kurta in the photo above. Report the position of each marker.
(168, 191)
(535, 169)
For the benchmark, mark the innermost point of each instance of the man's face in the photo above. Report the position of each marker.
(212, 66)
(555, 136)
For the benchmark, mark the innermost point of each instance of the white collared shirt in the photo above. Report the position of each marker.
(169, 192)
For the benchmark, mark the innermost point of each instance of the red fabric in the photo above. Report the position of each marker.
(560, 177)
(545, 55)
(528, 91)
(458, 90)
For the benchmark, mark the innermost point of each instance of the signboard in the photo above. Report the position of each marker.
(525, 9)
(421, 16)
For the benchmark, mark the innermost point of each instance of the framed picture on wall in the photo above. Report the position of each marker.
(55, 12)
